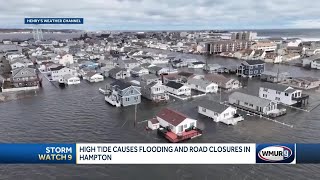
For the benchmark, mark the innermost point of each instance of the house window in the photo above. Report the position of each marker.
(264, 95)
(277, 99)
(286, 94)
(251, 105)
(127, 99)
(250, 67)
(192, 124)
(185, 126)
(255, 71)
(131, 91)
(261, 70)
(246, 103)
(265, 89)
(278, 92)
(204, 109)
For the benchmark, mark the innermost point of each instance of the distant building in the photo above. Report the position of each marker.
(217, 47)
(245, 35)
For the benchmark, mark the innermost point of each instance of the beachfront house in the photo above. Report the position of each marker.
(178, 89)
(18, 63)
(154, 91)
(139, 71)
(118, 73)
(202, 85)
(281, 93)
(149, 78)
(251, 68)
(222, 81)
(60, 71)
(303, 82)
(24, 77)
(122, 93)
(219, 112)
(253, 103)
(69, 79)
(93, 77)
(274, 77)
(128, 63)
(66, 60)
(175, 121)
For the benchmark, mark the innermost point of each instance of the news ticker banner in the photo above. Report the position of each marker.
(53, 20)
(133, 153)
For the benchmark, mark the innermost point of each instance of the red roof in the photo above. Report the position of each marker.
(171, 116)
(154, 121)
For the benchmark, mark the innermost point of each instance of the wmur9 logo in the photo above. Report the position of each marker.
(275, 153)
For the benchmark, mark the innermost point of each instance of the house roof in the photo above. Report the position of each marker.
(198, 62)
(249, 99)
(185, 74)
(199, 82)
(174, 85)
(68, 76)
(275, 74)
(213, 106)
(217, 78)
(115, 70)
(137, 69)
(254, 62)
(18, 72)
(90, 74)
(277, 87)
(154, 121)
(57, 68)
(171, 116)
(148, 76)
(155, 68)
(121, 85)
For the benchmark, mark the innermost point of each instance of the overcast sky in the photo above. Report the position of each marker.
(166, 14)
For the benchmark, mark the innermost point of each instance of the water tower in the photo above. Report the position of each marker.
(37, 33)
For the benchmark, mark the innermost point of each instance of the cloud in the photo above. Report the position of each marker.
(166, 14)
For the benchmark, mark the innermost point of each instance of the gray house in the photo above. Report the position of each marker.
(122, 93)
(118, 73)
(254, 104)
(24, 77)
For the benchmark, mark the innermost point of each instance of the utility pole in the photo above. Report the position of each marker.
(135, 115)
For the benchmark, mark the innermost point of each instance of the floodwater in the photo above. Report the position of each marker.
(79, 114)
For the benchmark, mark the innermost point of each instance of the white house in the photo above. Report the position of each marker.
(315, 64)
(202, 85)
(93, 77)
(153, 124)
(219, 112)
(253, 103)
(18, 63)
(139, 71)
(175, 121)
(60, 71)
(178, 89)
(66, 60)
(279, 93)
(69, 79)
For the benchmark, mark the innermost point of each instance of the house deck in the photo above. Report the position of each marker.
(174, 138)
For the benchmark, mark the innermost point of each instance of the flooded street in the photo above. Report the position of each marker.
(79, 114)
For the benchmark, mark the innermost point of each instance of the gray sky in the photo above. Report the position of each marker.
(166, 14)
